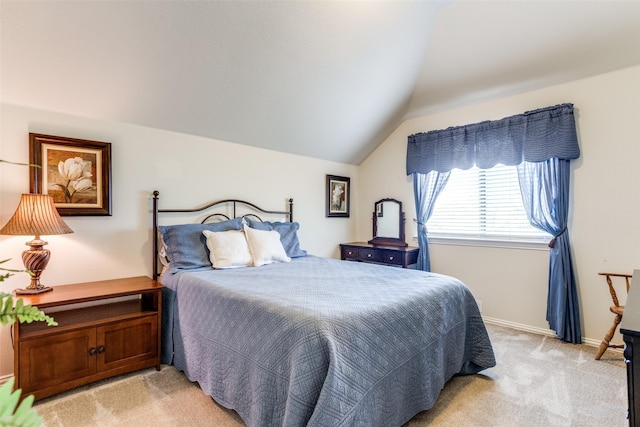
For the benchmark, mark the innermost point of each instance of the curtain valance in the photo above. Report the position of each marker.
(533, 136)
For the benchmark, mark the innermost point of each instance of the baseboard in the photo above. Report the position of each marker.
(540, 331)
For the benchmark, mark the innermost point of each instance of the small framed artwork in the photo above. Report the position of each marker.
(338, 196)
(76, 172)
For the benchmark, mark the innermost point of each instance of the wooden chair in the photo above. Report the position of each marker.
(616, 309)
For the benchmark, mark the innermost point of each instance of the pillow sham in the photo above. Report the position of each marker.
(186, 245)
(265, 246)
(288, 234)
(228, 249)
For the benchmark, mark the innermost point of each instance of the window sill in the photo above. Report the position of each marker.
(537, 245)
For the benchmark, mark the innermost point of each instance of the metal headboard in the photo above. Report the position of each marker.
(234, 203)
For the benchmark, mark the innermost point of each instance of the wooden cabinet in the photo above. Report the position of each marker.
(405, 257)
(630, 329)
(104, 329)
(632, 342)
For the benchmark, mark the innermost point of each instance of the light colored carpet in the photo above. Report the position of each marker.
(538, 381)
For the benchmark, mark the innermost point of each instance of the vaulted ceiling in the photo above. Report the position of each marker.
(326, 79)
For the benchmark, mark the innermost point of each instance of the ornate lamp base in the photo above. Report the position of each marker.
(35, 260)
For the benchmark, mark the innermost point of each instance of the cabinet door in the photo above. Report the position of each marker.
(56, 359)
(124, 343)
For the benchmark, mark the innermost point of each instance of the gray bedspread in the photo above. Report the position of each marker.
(322, 342)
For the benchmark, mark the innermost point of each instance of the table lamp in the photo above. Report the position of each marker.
(36, 215)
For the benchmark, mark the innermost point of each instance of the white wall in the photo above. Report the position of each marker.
(187, 170)
(604, 222)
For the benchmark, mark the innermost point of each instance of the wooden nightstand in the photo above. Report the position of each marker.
(397, 256)
(119, 332)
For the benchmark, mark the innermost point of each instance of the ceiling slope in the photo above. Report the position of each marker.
(329, 80)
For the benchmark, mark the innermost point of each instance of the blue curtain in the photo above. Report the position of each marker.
(545, 195)
(542, 142)
(534, 136)
(426, 188)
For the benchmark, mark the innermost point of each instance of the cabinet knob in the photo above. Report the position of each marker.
(390, 258)
(368, 255)
(92, 351)
(101, 349)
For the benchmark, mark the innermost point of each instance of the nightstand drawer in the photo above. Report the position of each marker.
(349, 253)
(392, 257)
(369, 255)
(402, 256)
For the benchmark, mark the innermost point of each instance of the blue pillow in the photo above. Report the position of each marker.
(187, 246)
(288, 235)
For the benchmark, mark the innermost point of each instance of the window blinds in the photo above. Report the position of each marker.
(482, 204)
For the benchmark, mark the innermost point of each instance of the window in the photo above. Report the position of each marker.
(483, 204)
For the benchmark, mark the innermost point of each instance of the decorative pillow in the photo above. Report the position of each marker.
(265, 246)
(228, 249)
(186, 245)
(288, 234)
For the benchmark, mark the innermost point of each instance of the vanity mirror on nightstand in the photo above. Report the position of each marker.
(387, 245)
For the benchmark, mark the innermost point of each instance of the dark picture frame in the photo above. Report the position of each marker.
(76, 172)
(338, 196)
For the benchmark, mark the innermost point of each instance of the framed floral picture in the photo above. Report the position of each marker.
(76, 172)
(338, 196)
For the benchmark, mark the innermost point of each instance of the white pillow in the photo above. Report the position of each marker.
(162, 250)
(265, 246)
(228, 249)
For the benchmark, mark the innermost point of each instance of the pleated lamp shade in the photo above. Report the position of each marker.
(36, 215)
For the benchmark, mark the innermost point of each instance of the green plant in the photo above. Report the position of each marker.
(9, 311)
(24, 313)
(10, 413)
(13, 415)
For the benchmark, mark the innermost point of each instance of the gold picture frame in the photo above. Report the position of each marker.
(76, 172)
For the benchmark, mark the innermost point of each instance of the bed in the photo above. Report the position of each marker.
(312, 341)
